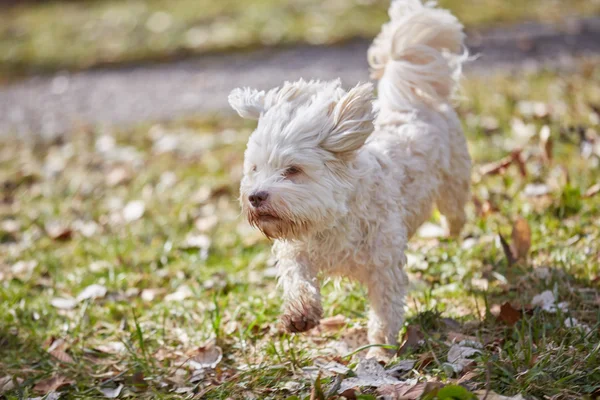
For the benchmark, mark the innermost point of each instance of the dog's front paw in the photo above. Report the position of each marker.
(301, 317)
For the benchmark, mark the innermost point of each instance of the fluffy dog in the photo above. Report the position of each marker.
(341, 181)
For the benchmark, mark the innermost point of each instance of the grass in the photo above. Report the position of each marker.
(71, 35)
(186, 273)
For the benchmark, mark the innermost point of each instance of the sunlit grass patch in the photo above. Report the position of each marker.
(126, 267)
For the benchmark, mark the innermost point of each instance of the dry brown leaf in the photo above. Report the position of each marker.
(332, 324)
(407, 391)
(521, 239)
(118, 176)
(7, 383)
(593, 190)
(62, 356)
(520, 161)
(58, 231)
(412, 338)
(207, 356)
(546, 143)
(467, 377)
(509, 314)
(52, 384)
(58, 350)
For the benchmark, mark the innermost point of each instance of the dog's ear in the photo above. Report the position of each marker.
(352, 120)
(249, 103)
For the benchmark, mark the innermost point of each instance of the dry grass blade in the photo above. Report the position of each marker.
(521, 239)
(317, 391)
(496, 167)
(507, 250)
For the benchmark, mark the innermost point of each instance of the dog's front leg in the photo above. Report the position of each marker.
(302, 309)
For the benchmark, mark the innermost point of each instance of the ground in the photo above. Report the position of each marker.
(53, 35)
(126, 269)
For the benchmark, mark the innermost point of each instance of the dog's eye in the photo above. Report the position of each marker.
(253, 169)
(291, 171)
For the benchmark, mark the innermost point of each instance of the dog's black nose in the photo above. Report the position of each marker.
(257, 198)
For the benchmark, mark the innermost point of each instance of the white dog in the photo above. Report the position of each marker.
(341, 182)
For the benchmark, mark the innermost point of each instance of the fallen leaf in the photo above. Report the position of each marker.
(509, 314)
(592, 191)
(112, 393)
(521, 239)
(536, 190)
(134, 210)
(402, 368)
(547, 302)
(58, 231)
(63, 303)
(182, 293)
(491, 395)
(546, 143)
(331, 366)
(459, 337)
(207, 356)
(23, 268)
(7, 383)
(575, 324)
(350, 340)
(112, 348)
(369, 373)
(92, 292)
(118, 176)
(411, 339)
(404, 390)
(520, 161)
(58, 350)
(207, 223)
(459, 354)
(468, 377)
(52, 384)
(332, 324)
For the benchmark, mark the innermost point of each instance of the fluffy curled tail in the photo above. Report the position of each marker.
(417, 55)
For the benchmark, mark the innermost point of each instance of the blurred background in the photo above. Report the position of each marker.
(123, 255)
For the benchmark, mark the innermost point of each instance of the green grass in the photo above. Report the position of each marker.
(79, 34)
(165, 299)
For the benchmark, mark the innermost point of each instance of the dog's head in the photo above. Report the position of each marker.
(297, 166)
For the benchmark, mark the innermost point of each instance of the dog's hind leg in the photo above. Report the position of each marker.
(387, 292)
(454, 195)
(454, 191)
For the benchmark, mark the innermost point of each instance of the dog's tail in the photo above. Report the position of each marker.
(418, 55)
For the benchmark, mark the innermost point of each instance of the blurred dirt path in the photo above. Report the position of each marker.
(49, 105)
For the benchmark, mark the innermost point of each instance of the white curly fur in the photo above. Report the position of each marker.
(348, 183)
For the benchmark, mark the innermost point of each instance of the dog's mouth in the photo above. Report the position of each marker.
(267, 217)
